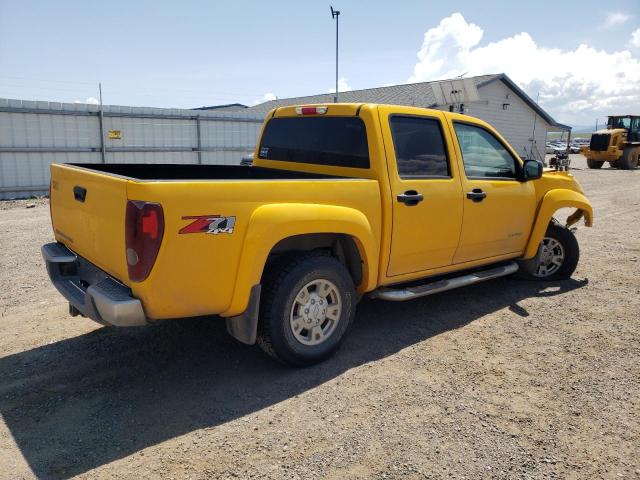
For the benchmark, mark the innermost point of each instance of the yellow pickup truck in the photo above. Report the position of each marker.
(342, 200)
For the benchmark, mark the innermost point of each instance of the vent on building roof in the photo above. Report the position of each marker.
(454, 92)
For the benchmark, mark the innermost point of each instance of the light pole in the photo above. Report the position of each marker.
(336, 14)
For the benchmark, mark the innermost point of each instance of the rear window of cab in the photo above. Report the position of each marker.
(332, 141)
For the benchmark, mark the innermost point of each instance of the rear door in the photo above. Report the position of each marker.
(88, 215)
(498, 209)
(426, 191)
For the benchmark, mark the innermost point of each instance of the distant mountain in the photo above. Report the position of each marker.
(585, 128)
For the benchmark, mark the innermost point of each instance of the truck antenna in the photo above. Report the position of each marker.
(336, 14)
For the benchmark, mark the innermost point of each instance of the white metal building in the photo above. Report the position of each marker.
(499, 101)
(35, 134)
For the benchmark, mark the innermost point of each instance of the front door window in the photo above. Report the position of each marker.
(483, 154)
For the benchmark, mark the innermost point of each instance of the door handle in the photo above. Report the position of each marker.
(410, 198)
(476, 195)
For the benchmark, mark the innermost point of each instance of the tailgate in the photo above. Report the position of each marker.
(88, 215)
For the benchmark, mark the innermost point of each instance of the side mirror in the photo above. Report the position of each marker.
(531, 170)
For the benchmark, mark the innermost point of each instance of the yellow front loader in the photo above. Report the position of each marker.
(618, 144)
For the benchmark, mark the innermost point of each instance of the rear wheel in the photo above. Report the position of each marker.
(629, 159)
(558, 256)
(594, 163)
(307, 307)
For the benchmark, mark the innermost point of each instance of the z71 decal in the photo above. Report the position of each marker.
(214, 224)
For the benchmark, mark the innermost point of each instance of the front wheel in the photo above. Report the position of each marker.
(594, 163)
(629, 158)
(558, 256)
(306, 308)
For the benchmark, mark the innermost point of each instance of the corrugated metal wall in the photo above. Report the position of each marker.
(36, 134)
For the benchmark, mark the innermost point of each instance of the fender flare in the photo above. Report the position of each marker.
(269, 224)
(552, 202)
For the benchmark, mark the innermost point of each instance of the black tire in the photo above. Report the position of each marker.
(629, 159)
(594, 163)
(531, 269)
(281, 284)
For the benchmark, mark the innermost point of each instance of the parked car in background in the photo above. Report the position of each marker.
(574, 148)
(558, 147)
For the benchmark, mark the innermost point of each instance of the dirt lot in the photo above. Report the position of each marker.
(506, 379)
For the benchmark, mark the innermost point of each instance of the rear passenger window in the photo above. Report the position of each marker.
(336, 141)
(419, 146)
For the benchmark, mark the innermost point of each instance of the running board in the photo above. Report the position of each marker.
(409, 293)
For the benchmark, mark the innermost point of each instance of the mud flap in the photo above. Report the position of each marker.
(529, 267)
(574, 217)
(244, 327)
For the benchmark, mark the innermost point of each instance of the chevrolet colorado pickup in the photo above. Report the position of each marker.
(342, 200)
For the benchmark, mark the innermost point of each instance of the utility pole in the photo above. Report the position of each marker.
(336, 14)
(101, 119)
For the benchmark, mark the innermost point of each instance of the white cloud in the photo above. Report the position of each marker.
(441, 43)
(90, 100)
(343, 86)
(267, 97)
(615, 19)
(635, 39)
(575, 85)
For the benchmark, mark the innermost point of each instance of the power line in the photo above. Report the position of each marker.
(128, 89)
(70, 95)
(47, 80)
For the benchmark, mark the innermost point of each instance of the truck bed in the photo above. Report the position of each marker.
(197, 172)
(89, 204)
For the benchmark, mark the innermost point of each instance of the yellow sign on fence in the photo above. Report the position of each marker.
(115, 134)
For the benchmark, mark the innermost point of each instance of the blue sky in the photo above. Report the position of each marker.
(193, 53)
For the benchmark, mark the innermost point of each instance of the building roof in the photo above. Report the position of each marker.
(414, 94)
(230, 107)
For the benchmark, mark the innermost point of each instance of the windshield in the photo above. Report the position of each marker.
(619, 122)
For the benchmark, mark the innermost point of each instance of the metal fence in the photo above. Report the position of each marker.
(35, 134)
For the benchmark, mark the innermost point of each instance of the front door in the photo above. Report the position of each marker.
(426, 192)
(498, 208)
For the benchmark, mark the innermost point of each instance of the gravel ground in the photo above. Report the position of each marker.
(505, 379)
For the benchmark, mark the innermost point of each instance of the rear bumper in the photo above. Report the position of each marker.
(91, 291)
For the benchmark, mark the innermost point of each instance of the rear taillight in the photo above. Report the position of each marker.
(144, 227)
(311, 110)
(50, 209)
